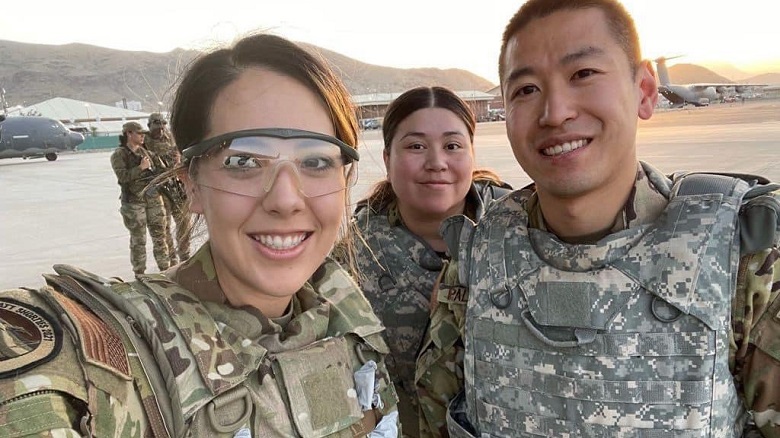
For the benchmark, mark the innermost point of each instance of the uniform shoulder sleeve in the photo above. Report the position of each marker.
(39, 389)
(62, 367)
(755, 343)
(123, 171)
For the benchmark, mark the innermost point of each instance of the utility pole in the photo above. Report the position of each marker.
(3, 102)
(89, 122)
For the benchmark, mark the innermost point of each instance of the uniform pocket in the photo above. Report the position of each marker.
(40, 413)
(320, 388)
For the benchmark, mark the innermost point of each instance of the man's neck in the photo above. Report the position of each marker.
(133, 146)
(588, 217)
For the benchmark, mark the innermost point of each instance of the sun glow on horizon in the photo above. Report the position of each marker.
(435, 33)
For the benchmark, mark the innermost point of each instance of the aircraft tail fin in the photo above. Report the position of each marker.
(663, 72)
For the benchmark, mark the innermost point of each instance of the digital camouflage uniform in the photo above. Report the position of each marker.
(668, 326)
(165, 356)
(140, 209)
(173, 196)
(399, 274)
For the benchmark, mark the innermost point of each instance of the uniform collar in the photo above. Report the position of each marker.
(199, 276)
(643, 206)
(470, 209)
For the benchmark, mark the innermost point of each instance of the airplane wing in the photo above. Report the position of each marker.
(721, 86)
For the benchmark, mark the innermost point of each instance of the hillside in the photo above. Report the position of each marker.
(695, 74)
(31, 73)
(766, 78)
(727, 70)
(362, 78)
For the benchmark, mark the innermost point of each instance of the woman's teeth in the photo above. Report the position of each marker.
(281, 242)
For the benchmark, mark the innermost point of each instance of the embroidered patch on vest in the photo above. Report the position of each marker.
(28, 337)
(101, 345)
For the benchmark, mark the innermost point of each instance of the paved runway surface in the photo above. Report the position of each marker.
(67, 211)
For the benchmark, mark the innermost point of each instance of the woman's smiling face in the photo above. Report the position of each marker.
(266, 248)
(429, 164)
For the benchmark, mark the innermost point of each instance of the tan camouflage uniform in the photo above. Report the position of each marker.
(642, 333)
(165, 356)
(140, 209)
(173, 197)
(400, 276)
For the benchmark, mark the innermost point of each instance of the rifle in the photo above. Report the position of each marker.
(171, 187)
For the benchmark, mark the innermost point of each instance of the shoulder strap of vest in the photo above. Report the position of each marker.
(716, 182)
(372, 233)
(489, 191)
(759, 216)
(458, 233)
(95, 293)
(148, 303)
(691, 184)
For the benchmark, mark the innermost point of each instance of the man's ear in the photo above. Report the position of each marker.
(193, 193)
(648, 89)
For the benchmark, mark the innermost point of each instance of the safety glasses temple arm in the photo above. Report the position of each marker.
(197, 149)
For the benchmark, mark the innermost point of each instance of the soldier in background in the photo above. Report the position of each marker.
(429, 157)
(142, 207)
(607, 299)
(159, 141)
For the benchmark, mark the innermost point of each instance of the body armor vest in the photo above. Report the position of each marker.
(398, 273)
(398, 285)
(163, 147)
(624, 338)
(201, 378)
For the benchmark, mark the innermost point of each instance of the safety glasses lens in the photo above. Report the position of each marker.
(249, 166)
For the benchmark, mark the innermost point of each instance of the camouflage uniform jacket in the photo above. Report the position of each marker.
(628, 336)
(166, 357)
(399, 274)
(163, 147)
(129, 176)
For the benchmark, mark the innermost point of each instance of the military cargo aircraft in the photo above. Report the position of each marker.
(695, 94)
(34, 137)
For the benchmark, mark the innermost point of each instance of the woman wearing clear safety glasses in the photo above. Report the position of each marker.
(404, 269)
(259, 333)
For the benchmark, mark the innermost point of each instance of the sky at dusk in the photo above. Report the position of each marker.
(402, 33)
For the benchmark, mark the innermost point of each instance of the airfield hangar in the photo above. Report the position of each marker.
(374, 106)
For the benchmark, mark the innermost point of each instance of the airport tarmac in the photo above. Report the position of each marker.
(67, 211)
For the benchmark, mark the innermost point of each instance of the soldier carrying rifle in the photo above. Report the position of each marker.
(158, 141)
(142, 206)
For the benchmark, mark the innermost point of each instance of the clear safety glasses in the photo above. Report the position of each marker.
(248, 162)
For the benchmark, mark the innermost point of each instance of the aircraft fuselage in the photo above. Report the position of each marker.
(29, 136)
(680, 94)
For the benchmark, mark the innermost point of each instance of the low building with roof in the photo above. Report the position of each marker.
(374, 105)
(105, 120)
(78, 115)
